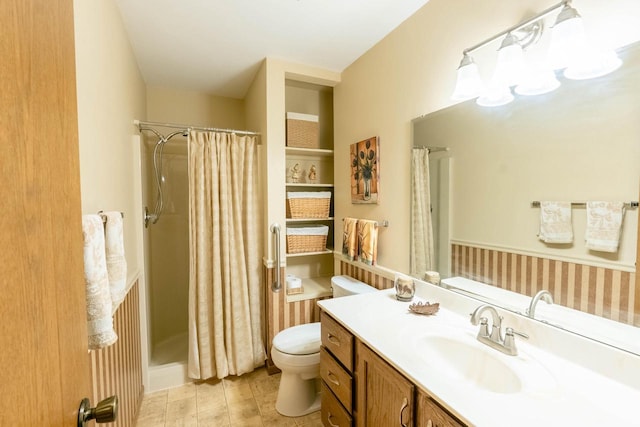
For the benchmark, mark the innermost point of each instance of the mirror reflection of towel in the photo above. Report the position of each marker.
(350, 239)
(604, 221)
(368, 241)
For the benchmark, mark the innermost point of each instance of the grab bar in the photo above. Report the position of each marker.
(275, 229)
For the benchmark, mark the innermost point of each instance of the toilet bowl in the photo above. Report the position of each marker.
(296, 352)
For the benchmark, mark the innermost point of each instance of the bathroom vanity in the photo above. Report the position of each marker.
(383, 365)
(349, 367)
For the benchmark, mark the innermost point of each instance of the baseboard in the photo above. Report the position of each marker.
(271, 368)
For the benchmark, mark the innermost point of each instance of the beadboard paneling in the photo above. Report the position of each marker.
(117, 369)
(366, 276)
(597, 290)
(281, 314)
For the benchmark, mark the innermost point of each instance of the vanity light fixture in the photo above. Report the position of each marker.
(569, 50)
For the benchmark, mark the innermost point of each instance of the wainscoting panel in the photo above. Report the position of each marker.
(117, 369)
(370, 278)
(282, 314)
(597, 290)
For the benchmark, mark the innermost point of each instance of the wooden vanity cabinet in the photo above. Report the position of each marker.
(336, 372)
(430, 414)
(384, 396)
(360, 388)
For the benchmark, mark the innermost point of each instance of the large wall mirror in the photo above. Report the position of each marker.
(578, 143)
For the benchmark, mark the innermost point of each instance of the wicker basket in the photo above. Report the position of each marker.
(302, 130)
(308, 204)
(307, 239)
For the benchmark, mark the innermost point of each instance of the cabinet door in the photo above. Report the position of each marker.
(430, 414)
(384, 396)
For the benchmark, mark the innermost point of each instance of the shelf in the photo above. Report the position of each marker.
(314, 287)
(309, 151)
(325, 252)
(302, 184)
(309, 219)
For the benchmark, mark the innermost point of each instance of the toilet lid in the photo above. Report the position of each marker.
(299, 340)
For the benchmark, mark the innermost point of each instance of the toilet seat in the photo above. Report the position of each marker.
(299, 340)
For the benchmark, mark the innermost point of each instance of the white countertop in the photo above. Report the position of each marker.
(571, 380)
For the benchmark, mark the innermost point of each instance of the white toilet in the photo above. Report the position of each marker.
(296, 352)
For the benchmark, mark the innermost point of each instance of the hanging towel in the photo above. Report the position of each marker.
(350, 239)
(604, 221)
(368, 241)
(116, 262)
(100, 322)
(555, 222)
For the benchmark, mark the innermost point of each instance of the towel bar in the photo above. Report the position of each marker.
(383, 223)
(629, 205)
(104, 218)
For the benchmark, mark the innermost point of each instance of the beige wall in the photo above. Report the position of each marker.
(167, 105)
(111, 94)
(411, 73)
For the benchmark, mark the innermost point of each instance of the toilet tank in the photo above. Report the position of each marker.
(343, 286)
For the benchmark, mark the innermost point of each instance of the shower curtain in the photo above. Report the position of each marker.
(421, 228)
(225, 328)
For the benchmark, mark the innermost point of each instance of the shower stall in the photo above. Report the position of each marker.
(167, 257)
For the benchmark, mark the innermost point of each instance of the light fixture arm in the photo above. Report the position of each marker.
(519, 26)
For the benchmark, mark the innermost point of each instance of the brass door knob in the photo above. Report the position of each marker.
(106, 411)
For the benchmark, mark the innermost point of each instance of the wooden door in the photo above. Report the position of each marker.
(430, 414)
(383, 396)
(43, 344)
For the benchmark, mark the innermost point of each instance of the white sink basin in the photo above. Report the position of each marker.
(471, 363)
(463, 358)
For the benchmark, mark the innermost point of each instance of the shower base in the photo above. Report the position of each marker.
(168, 366)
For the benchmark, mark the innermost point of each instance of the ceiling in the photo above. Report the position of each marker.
(217, 46)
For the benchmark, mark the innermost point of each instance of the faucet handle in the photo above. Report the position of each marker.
(511, 332)
(484, 327)
(509, 341)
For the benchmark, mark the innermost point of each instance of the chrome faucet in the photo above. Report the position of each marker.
(494, 339)
(543, 295)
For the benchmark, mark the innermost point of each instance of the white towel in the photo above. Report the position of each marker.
(604, 221)
(116, 262)
(99, 319)
(555, 222)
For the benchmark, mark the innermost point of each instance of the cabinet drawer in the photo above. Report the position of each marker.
(332, 412)
(336, 378)
(337, 340)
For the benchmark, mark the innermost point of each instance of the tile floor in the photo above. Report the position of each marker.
(248, 400)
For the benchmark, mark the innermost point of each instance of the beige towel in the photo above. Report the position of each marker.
(350, 239)
(116, 262)
(604, 221)
(555, 222)
(100, 322)
(368, 241)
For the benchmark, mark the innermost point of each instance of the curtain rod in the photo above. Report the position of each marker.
(187, 128)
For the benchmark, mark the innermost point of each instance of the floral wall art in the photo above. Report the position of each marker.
(365, 171)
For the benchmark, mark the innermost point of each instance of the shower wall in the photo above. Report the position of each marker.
(168, 254)
(167, 249)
